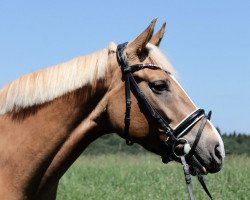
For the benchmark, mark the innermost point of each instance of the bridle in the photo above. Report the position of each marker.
(175, 136)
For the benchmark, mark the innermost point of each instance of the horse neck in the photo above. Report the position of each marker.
(45, 140)
(88, 124)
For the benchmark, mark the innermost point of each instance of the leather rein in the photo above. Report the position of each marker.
(174, 135)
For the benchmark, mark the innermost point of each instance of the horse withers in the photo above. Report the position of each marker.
(48, 118)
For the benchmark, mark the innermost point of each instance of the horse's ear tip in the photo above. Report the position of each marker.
(154, 21)
(157, 37)
(163, 28)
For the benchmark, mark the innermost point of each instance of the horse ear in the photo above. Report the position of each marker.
(139, 43)
(156, 38)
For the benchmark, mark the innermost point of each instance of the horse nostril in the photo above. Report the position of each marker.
(217, 160)
(217, 152)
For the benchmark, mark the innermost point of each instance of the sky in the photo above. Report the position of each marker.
(208, 42)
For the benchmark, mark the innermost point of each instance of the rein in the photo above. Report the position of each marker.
(174, 135)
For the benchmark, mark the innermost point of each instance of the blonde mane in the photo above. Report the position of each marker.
(47, 84)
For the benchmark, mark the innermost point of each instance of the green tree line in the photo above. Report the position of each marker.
(235, 143)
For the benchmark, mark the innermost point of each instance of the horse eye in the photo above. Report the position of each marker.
(159, 86)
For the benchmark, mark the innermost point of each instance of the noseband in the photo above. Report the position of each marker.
(175, 136)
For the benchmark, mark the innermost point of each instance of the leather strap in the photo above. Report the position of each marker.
(198, 136)
(120, 50)
(188, 180)
(185, 126)
(187, 177)
(202, 182)
(151, 110)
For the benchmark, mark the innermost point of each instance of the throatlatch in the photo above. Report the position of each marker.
(174, 135)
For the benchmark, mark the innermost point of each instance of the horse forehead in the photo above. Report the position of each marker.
(152, 74)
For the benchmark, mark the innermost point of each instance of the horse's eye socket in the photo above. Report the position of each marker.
(159, 86)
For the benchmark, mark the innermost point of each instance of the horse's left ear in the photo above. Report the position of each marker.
(139, 43)
(156, 38)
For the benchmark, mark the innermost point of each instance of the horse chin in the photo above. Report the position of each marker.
(197, 167)
(195, 170)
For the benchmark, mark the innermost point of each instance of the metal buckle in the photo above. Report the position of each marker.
(186, 147)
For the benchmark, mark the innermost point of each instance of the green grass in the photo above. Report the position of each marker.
(144, 177)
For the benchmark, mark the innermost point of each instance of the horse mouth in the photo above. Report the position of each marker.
(195, 170)
(194, 165)
(197, 167)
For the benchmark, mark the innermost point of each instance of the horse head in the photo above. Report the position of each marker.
(155, 81)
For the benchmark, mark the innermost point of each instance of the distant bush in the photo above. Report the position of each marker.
(237, 143)
(111, 144)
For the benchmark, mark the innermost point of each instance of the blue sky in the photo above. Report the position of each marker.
(208, 42)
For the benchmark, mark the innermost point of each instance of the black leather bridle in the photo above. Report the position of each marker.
(175, 136)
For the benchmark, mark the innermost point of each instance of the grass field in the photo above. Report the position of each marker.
(144, 177)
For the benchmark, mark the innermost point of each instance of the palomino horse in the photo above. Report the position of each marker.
(48, 118)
